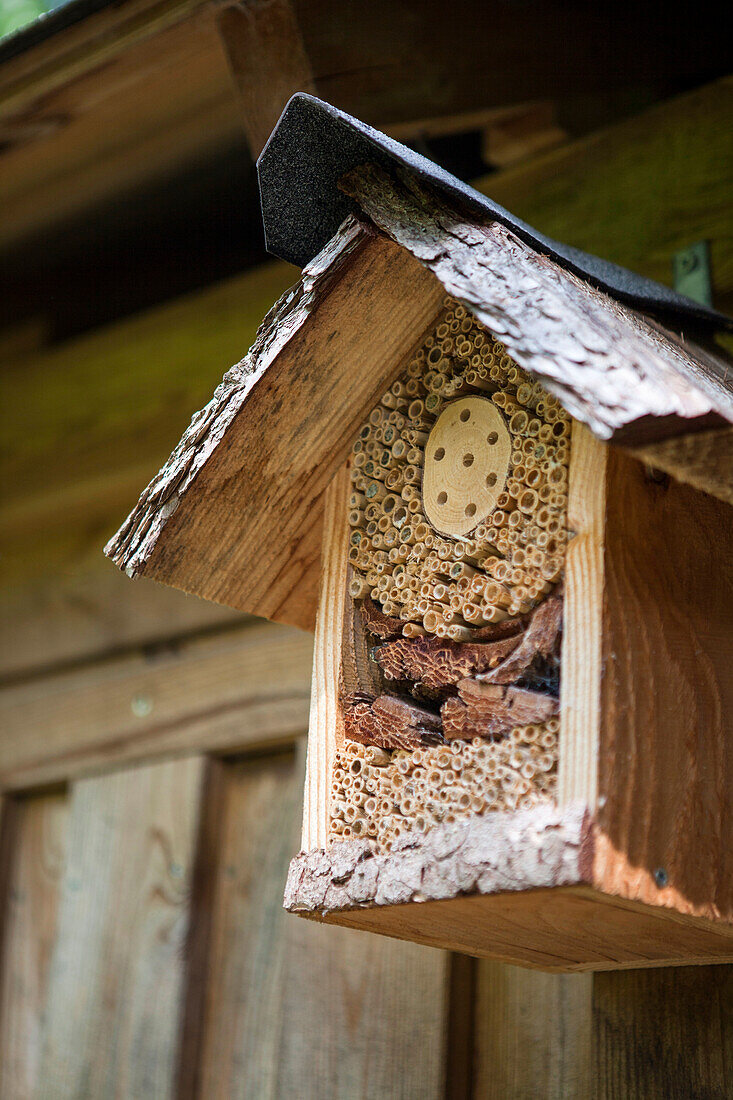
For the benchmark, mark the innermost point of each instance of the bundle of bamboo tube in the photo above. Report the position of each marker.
(436, 584)
(447, 587)
(382, 795)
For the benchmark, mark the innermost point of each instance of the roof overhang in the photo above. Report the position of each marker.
(235, 515)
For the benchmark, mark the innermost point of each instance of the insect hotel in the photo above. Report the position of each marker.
(494, 474)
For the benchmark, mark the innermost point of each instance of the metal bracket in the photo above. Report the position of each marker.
(692, 276)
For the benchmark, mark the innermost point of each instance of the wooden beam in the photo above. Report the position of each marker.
(225, 692)
(521, 134)
(111, 117)
(286, 417)
(267, 60)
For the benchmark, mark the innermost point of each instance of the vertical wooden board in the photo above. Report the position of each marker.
(242, 1025)
(533, 1034)
(664, 1034)
(363, 1016)
(665, 831)
(325, 713)
(582, 612)
(298, 1009)
(37, 842)
(115, 989)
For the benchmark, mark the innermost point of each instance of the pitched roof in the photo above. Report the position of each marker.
(236, 513)
(314, 145)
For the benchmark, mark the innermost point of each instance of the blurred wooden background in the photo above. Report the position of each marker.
(150, 744)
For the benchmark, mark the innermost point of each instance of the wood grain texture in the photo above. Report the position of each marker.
(115, 987)
(533, 1035)
(223, 692)
(298, 1010)
(626, 378)
(285, 416)
(325, 725)
(580, 694)
(119, 117)
(560, 929)
(30, 918)
(703, 459)
(59, 622)
(665, 772)
(267, 61)
(663, 1033)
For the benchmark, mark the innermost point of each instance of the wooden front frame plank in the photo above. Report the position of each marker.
(580, 692)
(325, 711)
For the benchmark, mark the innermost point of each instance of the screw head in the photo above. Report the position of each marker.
(661, 877)
(141, 706)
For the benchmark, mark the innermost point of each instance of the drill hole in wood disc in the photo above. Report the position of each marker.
(466, 465)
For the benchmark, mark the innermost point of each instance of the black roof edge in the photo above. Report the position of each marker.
(314, 144)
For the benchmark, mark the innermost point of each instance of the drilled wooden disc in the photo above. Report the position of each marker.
(466, 465)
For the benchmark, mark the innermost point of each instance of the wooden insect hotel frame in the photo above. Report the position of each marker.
(496, 479)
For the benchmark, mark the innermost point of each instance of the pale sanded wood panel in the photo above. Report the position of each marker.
(533, 1034)
(36, 846)
(295, 1009)
(582, 613)
(325, 725)
(663, 1034)
(117, 973)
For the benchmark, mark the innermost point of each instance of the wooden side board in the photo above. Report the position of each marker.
(665, 770)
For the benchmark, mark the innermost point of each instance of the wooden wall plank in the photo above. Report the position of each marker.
(221, 692)
(59, 621)
(663, 1033)
(115, 988)
(92, 421)
(39, 836)
(94, 418)
(296, 1009)
(533, 1034)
